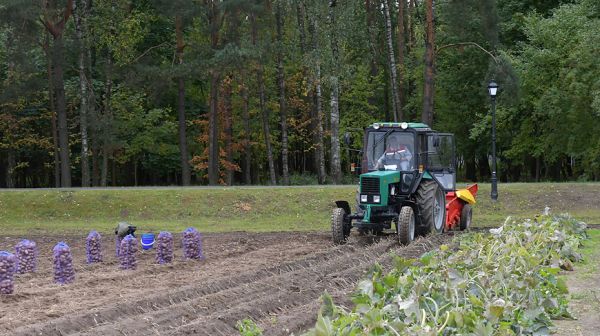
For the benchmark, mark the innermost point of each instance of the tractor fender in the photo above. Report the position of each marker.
(344, 205)
(415, 185)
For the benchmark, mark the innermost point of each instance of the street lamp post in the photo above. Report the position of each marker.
(493, 90)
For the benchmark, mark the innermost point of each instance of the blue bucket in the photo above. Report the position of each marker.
(147, 240)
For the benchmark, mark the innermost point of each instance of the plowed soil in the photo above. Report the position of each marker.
(274, 278)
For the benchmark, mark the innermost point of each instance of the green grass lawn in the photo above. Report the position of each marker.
(588, 269)
(252, 209)
(583, 286)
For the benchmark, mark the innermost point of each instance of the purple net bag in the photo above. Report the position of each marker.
(64, 273)
(93, 247)
(164, 247)
(127, 253)
(192, 244)
(26, 252)
(8, 267)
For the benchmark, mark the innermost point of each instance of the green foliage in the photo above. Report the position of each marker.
(247, 327)
(120, 28)
(141, 130)
(303, 179)
(559, 70)
(544, 58)
(503, 283)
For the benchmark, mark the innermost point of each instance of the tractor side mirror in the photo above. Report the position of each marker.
(347, 138)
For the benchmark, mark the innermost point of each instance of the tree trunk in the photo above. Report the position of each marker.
(53, 119)
(92, 113)
(247, 133)
(319, 116)
(281, 84)
(79, 15)
(318, 109)
(183, 149)
(213, 130)
(113, 172)
(311, 94)
(228, 128)
(108, 122)
(470, 169)
(391, 61)
(411, 25)
(63, 130)
(429, 77)
(336, 166)
(10, 168)
(95, 164)
(301, 29)
(104, 168)
(135, 171)
(262, 104)
(401, 51)
(93, 129)
(56, 29)
(410, 52)
(483, 167)
(538, 168)
(265, 122)
(373, 61)
(386, 97)
(372, 38)
(56, 150)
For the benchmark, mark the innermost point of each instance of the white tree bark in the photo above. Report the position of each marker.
(391, 60)
(336, 167)
(79, 14)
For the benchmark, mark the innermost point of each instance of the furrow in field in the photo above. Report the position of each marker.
(78, 321)
(341, 276)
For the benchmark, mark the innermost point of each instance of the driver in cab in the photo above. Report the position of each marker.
(396, 156)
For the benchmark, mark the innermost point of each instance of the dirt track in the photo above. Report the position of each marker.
(275, 279)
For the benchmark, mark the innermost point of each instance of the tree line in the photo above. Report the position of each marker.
(192, 92)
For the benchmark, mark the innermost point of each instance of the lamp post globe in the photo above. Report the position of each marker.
(493, 91)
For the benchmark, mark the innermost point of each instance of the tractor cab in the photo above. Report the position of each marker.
(407, 170)
(411, 149)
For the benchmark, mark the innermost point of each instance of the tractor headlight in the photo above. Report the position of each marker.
(393, 191)
(376, 199)
(363, 198)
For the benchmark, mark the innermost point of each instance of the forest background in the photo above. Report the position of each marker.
(174, 92)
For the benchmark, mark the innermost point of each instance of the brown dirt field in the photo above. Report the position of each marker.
(274, 278)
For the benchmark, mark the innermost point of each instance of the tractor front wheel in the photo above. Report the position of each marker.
(405, 226)
(431, 201)
(465, 217)
(340, 230)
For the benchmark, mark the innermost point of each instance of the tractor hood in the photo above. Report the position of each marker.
(385, 176)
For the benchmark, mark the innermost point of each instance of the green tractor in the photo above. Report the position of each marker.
(408, 179)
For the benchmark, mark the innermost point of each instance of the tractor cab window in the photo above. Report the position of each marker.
(441, 159)
(391, 150)
(440, 152)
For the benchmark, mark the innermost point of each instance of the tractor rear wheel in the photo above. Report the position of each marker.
(405, 226)
(339, 229)
(431, 201)
(465, 217)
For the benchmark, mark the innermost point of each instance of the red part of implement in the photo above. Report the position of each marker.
(454, 206)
